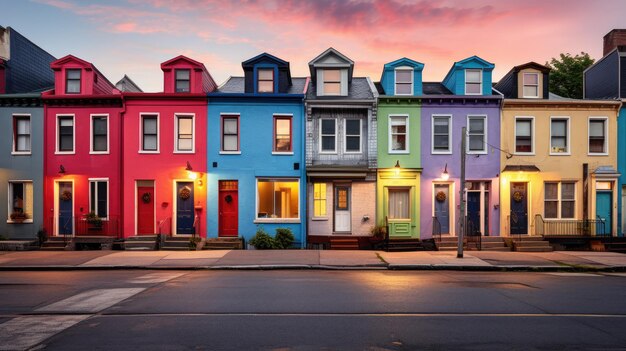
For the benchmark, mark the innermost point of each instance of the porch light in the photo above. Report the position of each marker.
(61, 169)
(397, 167)
(445, 175)
(190, 173)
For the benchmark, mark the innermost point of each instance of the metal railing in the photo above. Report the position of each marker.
(165, 229)
(571, 227)
(436, 230)
(473, 236)
(84, 226)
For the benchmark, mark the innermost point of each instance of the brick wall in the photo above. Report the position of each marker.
(363, 203)
(614, 38)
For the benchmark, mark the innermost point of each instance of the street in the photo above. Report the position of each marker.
(311, 310)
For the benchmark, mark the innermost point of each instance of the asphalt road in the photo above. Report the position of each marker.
(311, 310)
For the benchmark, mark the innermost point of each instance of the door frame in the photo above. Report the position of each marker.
(137, 203)
(219, 201)
(529, 216)
(342, 185)
(55, 216)
(483, 206)
(175, 206)
(451, 204)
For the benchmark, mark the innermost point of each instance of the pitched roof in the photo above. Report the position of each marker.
(331, 51)
(435, 88)
(236, 85)
(359, 89)
(127, 85)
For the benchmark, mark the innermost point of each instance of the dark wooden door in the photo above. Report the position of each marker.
(66, 204)
(519, 208)
(184, 208)
(145, 210)
(228, 207)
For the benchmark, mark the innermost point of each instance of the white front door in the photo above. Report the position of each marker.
(342, 209)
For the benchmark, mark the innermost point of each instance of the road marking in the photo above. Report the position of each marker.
(154, 278)
(22, 333)
(91, 301)
(358, 315)
(574, 274)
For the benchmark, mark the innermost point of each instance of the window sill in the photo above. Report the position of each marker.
(20, 222)
(148, 152)
(65, 152)
(319, 218)
(598, 154)
(352, 152)
(477, 153)
(230, 152)
(441, 152)
(98, 152)
(280, 153)
(560, 154)
(184, 152)
(523, 154)
(277, 220)
(406, 152)
(21, 153)
(328, 152)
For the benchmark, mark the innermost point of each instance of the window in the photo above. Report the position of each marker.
(559, 200)
(441, 134)
(65, 137)
(278, 198)
(328, 136)
(332, 82)
(99, 134)
(398, 134)
(477, 132)
(597, 136)
(353, 135)
(473, 81)
(282, 134)
(99, 198)
(531, 85)
(399, 204)
(230, 133)
(404, 81)
(183, 80)
(20, 201)
(559, 143)
(184, 133)
(72, 81)
(319, 199)
(524, 135)
(265, 80)
(150, 133)
(21, 134)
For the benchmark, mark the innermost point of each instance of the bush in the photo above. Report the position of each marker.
(262, 241)
(284, 238)
(42, 235)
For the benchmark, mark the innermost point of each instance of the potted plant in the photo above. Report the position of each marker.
(94, 221)
(18, 216)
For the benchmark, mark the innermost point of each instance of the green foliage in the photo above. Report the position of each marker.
(262, 241)
(42, 235)
(193, 242)
(284, 238)
(94, 220)
(2, 237)
(566, 77)
(378, 231)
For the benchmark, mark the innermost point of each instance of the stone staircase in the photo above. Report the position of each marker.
(141, 242)
(487, 243)
(494, 243)
(344, 243)
(223, 244)
(57, 243)
(404, 245)
(176, 243)
(533, 243)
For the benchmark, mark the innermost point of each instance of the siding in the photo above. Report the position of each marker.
(601, 80)
(622, 77)
(28, 69)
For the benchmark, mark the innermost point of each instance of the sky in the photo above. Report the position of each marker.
(133, 37)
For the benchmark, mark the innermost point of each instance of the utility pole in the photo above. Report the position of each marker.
(459, 252)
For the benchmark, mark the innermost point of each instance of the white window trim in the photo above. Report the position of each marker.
(320, 136)
(395, 79)
(137, 205)
(532, 136)
(30, 147)
(530, 85)
(345, 136)
(282, 115)
(606, 135)
(481, 80)
(452, 202)
(389, 136)
(567, 139)
(106, 180)
(559, 199)
(485, 151)
(58, 140)
(275, 220)
(9, 193)
(158, 119)
(341, 80)
(325, 198)
(91, 117)
(221, 133)
(177, 115)
(432, 135)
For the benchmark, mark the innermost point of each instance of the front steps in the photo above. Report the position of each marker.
(223, 244)
(532, 243)
(177, 243)
(487, 243)
(344, 243)
(141, 242)
(57, 243)
(399, 245)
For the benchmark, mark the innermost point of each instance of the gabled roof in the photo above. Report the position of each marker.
(404, 62)
(172, 62)
(264, 56)
(360, 89)
(58, 64)
(236, 85)
(328, 52)
(462, 63)
(507, 85)
(127, 85)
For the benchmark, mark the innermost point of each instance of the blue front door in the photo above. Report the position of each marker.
(519, 209)
(603, 212)
(66, 203)
(442, 206)
(473, 212)
(184, 208)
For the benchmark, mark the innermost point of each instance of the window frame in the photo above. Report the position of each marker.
(410, 205)
(68, 79)
(524, 74)
(532, 135)
(58, 150)
(237, 117)
(177, 117)
(324, 81)
(321, 151)
(559, 199)
(345, 136)
(485, 149)
(91, 134)
(480, 82)
(176, 80)
(323, 197)
(606, 135)
(567, 137)
(277, 117)
(10, 183)
(395, 77)
(259, 80)
(108, 202)
(277, 220)
(432, 134)
(142, 117)
(16, 117)
(390, 134)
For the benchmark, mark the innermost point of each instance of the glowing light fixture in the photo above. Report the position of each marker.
(397, 167)
(61, 169)
(190, 173)
(445, 175)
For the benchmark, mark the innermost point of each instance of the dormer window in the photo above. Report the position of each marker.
(404, 81)
(473, 81)
(332, 82)
(182, 80)
(531, 85)
(265, 82)
(72, 81)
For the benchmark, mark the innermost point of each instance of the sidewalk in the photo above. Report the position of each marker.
(312, 259)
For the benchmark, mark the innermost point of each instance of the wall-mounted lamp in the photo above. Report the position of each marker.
(61, 169)
(190, 173)
(445, 175)
(188, 168)
(397, 167)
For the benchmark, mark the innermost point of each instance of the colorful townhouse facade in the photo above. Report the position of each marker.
(24, 73)
(341, 151)
(464, 98)
(559, 164)
(606, 79)
(255, 151)
(399, 154)
(164, 152)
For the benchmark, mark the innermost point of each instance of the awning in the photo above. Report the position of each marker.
(606, 172)
(337, 172)
(520, 168)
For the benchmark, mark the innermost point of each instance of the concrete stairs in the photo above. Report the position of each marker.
(493, 243)
(399, 245)
(141, 242)
(344, 243)
(93, 242)
(56, 243)
(176, 243)
(533, 243)
(223, 244)
(487, 243)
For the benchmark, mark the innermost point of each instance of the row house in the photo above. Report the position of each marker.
(341, 150)
(256, 144)
(24, 73)
(559, 165)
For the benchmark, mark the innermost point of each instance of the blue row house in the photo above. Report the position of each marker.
(341, 153)
(24, 73)
(255, 140)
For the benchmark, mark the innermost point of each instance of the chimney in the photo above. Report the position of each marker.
(613, 39)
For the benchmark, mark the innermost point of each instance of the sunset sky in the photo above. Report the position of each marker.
(134, 36)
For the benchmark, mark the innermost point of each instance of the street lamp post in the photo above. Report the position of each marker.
(459, 252)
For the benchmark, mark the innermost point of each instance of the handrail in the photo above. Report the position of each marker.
(161, 235)
(436, 230)
(570, 227)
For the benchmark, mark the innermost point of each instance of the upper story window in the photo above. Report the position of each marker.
(328, 135)
(183, 80)
(332, 82)
(559, 136)
(282, 134)
(598, 136)
(184, 133)
(150, 133)
(99, 134)
(531, 85)
(352, 135)
(473, 81)
(524, 135)
(265, 82)
(21, 134)
(230, 133)
(65, 134)
(477, 134)
(398, 134)
(404, 81)
(72, 81)
(442, 136)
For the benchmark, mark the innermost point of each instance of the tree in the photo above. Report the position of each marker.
(566, 77)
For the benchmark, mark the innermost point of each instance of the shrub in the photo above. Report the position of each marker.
(42, 235)
(262, 241)
(284, 238)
